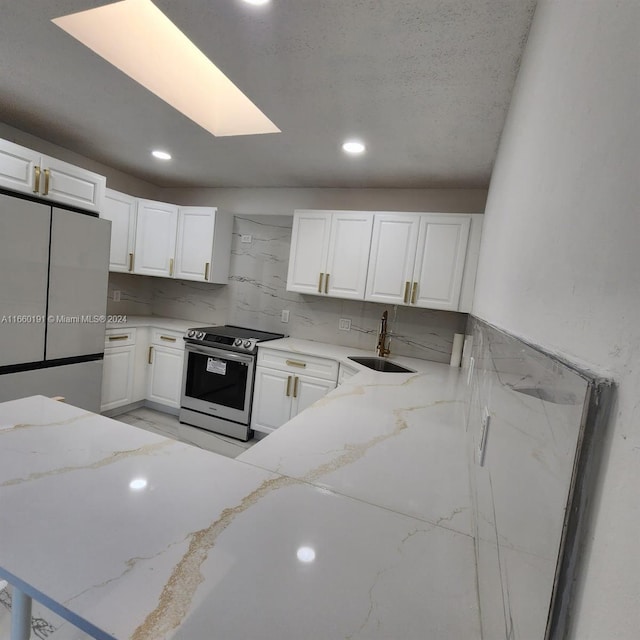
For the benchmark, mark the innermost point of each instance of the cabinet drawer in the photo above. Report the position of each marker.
(119, 338)
(167, 338)
(300, 364)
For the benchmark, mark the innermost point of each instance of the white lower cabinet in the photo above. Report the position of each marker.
(118, 369)
(271, 402)
(281, 389)
(142, 364)
(166, 359)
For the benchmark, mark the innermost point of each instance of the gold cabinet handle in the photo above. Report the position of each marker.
(320, 283)
(170, 266)
(149, 359)
(288, 386)
(296, 363)
(36, 179)
(131, 262)
(112, 338)
(47, 175)
(206, 271)
(414, 293)
(406, 292)
(326, 284)
(295, 387)
(168, 338)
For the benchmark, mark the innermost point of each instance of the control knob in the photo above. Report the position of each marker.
(237, 342)
(191, 333)
(247, 344)
(200, 335)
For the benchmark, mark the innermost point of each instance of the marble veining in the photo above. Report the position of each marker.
(342, 441)
(537, 408)
(114, 457)
(177, 593)
(207, 534)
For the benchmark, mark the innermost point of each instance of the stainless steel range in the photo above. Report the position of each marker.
(218, 376)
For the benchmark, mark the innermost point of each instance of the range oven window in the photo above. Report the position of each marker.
(217, 380)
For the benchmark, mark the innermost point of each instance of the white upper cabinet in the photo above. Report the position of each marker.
(155, 238)
(393, 252)
(121, 210)
(28, 171)
(440, 259)
(203, 244)
(330, 253)
(308, 255)
(418, 259)
(17, 167)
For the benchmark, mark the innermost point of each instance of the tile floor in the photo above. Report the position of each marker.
(44, 622)
(166, 424)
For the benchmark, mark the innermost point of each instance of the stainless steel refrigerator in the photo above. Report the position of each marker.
(54, 267)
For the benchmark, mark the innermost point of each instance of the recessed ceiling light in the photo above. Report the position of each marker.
(138, 39)
(353, 147)
(161, 155)
(306, 554)
(257, 3)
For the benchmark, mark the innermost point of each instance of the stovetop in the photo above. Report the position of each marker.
(230, 337)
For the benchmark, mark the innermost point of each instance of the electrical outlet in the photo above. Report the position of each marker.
(116, 295)
(344, 324)
(246, 239)
(284, 316)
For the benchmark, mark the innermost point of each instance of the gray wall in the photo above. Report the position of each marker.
(284, 201)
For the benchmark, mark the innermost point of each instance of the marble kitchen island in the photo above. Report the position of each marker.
(351, 521)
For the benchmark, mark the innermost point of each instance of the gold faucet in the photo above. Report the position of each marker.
(383, 349)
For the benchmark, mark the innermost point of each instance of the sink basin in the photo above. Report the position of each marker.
(380, 364)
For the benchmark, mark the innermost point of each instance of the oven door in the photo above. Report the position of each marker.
(218, 383)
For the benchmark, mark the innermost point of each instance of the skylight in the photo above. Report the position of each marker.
(137, 38)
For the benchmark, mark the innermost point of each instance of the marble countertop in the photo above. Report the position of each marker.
(389, 439)
(213, 545)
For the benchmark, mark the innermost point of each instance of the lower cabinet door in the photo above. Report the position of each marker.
(165, 378)
(271, 404)
(307, 390)
(117, 377)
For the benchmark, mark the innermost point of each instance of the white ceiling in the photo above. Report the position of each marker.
(426, 83)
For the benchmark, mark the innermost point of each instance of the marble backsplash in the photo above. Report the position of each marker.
(256, 295)
(529, 481)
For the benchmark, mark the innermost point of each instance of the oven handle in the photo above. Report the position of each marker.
(219, 353)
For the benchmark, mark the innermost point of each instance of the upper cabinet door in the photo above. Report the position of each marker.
(393, 250)
(121, 210)
(309, 247)
(194, 243)
(71, 185)
(348, 254)
(17, 167)
(203, 244)
(442, 247)
(155, 238)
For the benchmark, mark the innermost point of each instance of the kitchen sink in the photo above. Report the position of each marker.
(380, 364)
